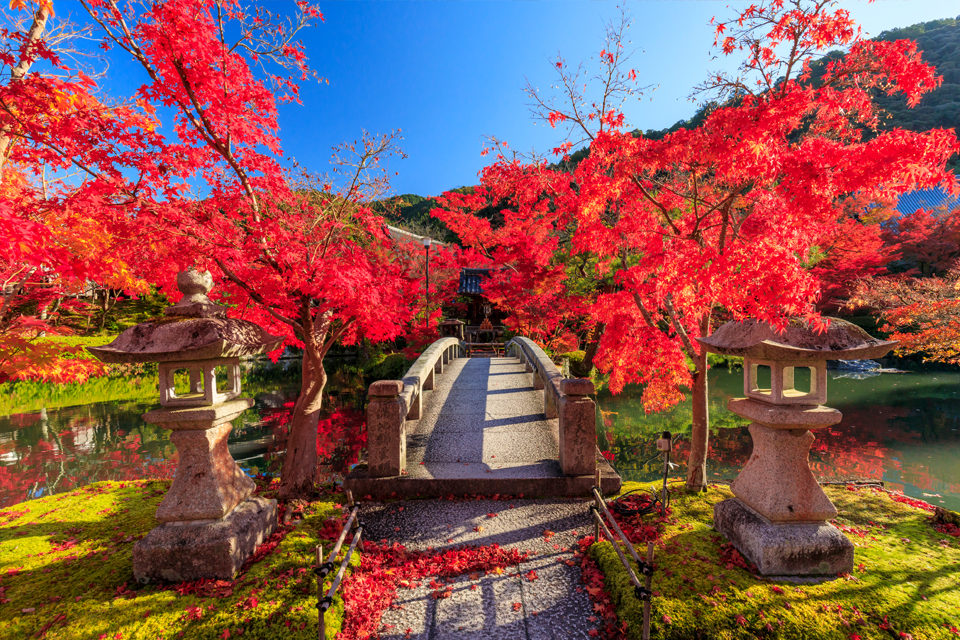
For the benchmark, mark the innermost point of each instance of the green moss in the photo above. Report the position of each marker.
(905, 573)
(80, 341)
(65, 561)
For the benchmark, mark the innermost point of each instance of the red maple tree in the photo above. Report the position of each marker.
(64, 193)
(718, 221)
(305, 257)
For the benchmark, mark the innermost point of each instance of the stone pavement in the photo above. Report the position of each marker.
(483, 420)
(553, 606)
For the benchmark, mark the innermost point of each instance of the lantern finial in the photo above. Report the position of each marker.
(195, 285)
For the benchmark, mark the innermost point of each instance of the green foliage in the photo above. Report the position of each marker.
(720, 360)
(905, 572)
(126, 313)
(26, 396)
(65, 572)
(82, 341)
(386, 366)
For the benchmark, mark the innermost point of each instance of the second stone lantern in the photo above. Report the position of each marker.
(210, 522)
(778, 519)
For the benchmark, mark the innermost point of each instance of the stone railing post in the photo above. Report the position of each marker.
(551, 393)
(386, 435)
(578, 431)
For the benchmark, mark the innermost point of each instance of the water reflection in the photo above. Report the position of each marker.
(903, 429)
(55, 450)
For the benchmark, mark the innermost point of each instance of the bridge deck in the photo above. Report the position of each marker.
(484, 418)
(482, 431)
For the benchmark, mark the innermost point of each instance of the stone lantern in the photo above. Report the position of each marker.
(778, 519)
(209, 521)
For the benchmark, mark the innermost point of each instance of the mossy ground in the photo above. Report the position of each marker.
(905, 583)
(65, 572)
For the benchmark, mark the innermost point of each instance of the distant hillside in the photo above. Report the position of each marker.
(412, 213)
(940, 42)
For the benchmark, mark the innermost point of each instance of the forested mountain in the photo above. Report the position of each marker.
(412, 212)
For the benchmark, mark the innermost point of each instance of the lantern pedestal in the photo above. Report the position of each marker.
(209, 522)
(776, 481)
(778, 519)
(783, 550)
(204, 549)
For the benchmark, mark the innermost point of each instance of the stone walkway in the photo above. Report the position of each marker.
(509, 606)
(483, 420)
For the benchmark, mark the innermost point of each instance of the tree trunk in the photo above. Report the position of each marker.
(593, 343)
(298, 476)
(106, 308)
(700, 435)
(17, 73)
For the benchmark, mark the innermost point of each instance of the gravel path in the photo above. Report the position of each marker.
(553, 606)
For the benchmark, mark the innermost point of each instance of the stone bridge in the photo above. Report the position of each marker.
(481, 426)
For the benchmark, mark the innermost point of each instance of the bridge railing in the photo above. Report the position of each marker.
(567, 399)
(392, 402)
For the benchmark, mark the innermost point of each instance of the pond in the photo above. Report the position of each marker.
(901, 428)
(55, 450)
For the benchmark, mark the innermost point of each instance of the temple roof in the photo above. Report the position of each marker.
(471, 280)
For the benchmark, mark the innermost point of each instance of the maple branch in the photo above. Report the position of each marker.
(198, 120)
(643, 311)
(646, 194)
(255, 295)
(725, 219)
(334, 336)
(208, 132)
(678, 326)
(9, 293)
(17, 73)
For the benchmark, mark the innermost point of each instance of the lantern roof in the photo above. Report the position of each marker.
(798, 341)
(196, 328)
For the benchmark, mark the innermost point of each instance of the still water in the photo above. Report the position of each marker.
(901, 428)
(55, 450)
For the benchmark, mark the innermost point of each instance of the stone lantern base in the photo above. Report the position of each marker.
(178, 552)
(791, 549)
(210, 522)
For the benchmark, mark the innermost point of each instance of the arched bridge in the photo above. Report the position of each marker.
(479, 425)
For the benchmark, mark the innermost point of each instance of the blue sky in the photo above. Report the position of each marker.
(450, 73)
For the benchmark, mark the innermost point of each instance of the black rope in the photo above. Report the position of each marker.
(323, 569)
(643, 594)
(623, 508)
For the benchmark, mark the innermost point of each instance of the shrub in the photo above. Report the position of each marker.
(386, 366)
